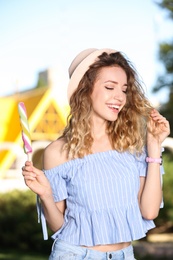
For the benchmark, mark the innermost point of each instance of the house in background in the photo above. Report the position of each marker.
(46, 117)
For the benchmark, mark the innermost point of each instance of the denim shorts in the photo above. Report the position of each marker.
(63, 251)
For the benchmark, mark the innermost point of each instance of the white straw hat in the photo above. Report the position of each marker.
(80, 65)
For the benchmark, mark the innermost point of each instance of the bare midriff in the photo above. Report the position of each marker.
(110, 247)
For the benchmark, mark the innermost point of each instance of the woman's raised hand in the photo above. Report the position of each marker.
(158, 127)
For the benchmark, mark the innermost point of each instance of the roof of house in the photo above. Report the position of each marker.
(45, 117)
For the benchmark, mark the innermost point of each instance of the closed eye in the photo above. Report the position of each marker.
(110, 88)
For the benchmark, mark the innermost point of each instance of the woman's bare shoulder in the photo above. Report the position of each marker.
(54, 154)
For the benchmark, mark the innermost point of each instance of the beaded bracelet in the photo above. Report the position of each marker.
(154, 160)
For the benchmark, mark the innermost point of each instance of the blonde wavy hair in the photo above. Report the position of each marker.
(128, 132)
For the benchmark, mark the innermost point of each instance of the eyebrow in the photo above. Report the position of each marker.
(115, 82)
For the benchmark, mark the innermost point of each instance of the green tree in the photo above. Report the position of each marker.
(166, 58)
(165, 81)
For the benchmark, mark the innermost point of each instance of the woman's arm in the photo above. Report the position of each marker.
(54, 212)
(36, 180)
(150, 194)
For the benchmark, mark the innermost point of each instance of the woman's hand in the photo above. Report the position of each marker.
(36, 180)
(158, 128)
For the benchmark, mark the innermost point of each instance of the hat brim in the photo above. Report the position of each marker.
(82, 68)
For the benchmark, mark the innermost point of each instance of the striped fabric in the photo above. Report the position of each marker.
(101, 192)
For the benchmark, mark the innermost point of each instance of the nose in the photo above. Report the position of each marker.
(119, 95)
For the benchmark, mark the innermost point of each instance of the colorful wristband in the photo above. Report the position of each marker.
(154, 160)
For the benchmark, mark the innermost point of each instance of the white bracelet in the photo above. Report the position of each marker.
(154, 160)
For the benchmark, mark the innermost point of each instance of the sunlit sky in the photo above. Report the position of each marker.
(40, 34)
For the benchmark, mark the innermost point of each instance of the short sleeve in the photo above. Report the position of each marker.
(58, 183)
(141, 164)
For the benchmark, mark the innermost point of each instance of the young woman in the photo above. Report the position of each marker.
(101, 186)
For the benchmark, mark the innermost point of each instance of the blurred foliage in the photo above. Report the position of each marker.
(168, 5)
(18, 255)
(167, 111)
(19, 226)
(165, 56)
(166, 214)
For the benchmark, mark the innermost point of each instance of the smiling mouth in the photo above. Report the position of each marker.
(114, 107)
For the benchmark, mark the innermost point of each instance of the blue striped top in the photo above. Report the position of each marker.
(101, 193)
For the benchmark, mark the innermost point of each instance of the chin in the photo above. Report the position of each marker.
(112, 119)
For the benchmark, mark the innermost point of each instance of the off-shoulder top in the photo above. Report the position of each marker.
(101, 193)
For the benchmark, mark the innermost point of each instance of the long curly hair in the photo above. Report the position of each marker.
(128, 132)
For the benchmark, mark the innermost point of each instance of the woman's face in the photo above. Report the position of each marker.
(109, 93)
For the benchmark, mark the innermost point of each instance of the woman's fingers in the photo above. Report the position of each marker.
(28, 171)
(29, 168)
(156, 116)
(29, 176)
(158, 126)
